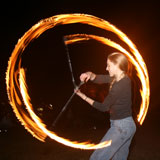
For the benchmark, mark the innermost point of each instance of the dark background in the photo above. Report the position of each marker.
(48, 75)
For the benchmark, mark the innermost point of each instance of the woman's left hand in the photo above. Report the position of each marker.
(80, 94)
(84, 97)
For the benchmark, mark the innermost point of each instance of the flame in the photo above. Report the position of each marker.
(16, 82)
(140, 67)
(40, 125)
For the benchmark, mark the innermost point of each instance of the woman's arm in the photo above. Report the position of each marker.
(84, 77)
(121, 90)
(100, 79)
(99, 106)
(84, 97)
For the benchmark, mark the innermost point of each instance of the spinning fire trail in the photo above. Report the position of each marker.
(16, 82)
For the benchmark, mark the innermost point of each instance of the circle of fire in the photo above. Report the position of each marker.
(15, 75)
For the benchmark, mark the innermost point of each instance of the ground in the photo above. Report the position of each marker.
(18, 144)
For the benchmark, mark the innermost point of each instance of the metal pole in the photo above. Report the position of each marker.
(73, 80)
(65, 106)
(69, 62)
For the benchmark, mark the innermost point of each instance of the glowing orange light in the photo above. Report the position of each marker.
(16, 83)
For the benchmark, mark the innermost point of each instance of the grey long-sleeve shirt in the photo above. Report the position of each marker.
(118, 101)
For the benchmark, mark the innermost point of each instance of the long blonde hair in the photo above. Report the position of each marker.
(121, 60)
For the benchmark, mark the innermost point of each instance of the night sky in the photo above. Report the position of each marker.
(48, 74)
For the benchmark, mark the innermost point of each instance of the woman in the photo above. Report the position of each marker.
(118, 104)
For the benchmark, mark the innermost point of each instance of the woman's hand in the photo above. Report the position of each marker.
(84, 97)
(84, 77)
(80, 94)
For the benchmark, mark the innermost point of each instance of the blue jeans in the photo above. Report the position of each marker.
(121, 133)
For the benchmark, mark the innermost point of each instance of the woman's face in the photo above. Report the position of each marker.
(111, 68)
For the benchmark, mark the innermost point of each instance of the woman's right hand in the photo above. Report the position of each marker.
(84, 77)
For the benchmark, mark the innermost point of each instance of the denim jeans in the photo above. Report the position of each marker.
(121, 133)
